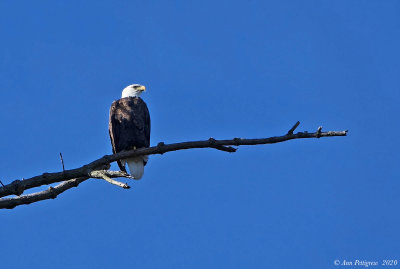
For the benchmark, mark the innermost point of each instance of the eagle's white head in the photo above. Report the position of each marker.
(134, 90)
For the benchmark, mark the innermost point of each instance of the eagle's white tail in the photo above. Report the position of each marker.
(136, 166)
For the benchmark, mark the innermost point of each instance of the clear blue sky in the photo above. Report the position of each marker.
(212, 68)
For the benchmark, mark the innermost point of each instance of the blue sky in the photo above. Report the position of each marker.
(212, 68)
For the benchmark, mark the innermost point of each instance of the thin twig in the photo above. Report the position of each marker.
(319, 131)
(2, 183)
(225, 148)
(220, 147)
(110, 173)
(62, 161)
(294, 127)
(102, 174)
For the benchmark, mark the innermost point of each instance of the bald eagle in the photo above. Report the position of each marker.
(129, 128)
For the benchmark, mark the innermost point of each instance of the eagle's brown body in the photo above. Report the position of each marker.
(129, 125)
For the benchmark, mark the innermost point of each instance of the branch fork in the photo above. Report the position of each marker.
(106, 175)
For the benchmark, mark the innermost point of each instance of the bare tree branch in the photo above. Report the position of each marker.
(102, 174)
(50, 193)
(109, 173)
(17, 187)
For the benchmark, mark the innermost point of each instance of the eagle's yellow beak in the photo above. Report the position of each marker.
(141, 88)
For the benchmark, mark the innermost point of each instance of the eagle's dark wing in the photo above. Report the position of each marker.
(129, 125)
(147, 126)
(114, 130)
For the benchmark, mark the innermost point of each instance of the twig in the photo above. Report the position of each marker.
(220, 147)
(110, 173)
(2, 183)
(225, 148)
(319, 131)
(62, 161)
(18, 186)
(102, 174)
(294, 127)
